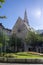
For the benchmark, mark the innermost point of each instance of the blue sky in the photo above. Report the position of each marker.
(12, 9)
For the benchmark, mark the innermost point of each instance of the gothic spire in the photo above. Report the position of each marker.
(25, 17)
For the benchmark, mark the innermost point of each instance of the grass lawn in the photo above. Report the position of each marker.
(25, 55)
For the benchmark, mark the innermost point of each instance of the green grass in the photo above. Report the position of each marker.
(24, 55)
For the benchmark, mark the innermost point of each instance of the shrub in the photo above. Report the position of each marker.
(10, 55)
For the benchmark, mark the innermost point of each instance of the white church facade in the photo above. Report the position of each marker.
(22, 27)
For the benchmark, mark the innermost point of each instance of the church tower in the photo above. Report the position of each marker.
(25, 18)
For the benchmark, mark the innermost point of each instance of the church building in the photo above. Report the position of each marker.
(22, 27)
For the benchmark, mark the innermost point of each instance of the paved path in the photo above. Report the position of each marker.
(17, 64)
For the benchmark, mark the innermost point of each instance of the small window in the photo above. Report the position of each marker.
(19, 30)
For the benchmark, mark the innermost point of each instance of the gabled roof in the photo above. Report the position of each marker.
(8, 29)
(1, 25)
(19, 19)
(4, 27)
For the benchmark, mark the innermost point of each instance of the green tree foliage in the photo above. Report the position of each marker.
(31, 37)
(2, 17)
(15, 42)
(1, 2)
(12, 40)
(3, 40)
(1, 37)
(40, 39)
(34, 39)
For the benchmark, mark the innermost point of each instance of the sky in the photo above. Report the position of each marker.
(12, 9)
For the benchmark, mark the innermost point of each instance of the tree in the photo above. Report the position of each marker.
(40, 40)
(31, 38)
(3, 41)
(19, 44)
(15, 42)
(1, 2)
(2, 17)
(12, 42)
(34, 39)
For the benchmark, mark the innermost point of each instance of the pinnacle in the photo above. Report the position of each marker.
(25, 17)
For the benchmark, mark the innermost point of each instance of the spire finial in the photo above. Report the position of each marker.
(25, 17)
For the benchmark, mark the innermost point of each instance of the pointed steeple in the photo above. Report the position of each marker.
(25, 17)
